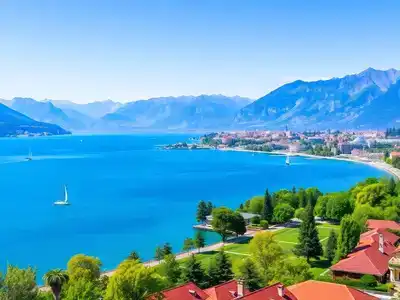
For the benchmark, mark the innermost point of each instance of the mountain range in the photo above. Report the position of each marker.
(185, 112)
(13, 122)
(368, 100)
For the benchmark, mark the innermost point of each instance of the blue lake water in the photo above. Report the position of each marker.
(126, 194)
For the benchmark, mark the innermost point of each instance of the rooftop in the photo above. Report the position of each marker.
(383, 224)
(225, 291)
(366, 258)
(317, 290)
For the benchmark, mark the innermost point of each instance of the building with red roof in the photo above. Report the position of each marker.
(188, 291)
(317, 290)
(371, 256)
(226, 291)
(383, 224)
(308, 290)
(273, 292)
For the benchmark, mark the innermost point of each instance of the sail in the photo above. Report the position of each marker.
(287, 159)
(66, 194)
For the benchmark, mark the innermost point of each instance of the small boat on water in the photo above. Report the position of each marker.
(29, 157)
(287, 160)
(65, 201)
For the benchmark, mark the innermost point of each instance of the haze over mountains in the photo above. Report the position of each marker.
(368, 100)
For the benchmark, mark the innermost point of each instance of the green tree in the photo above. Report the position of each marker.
(210, 207)
(267, 211)
(300, 213)
(309, 244)
(55, 279)
(237, 224)
(167, 249)
(265, 253)
(193, 272)
(372, 194)
(188, 244)
(337, 206)
(255, 205)
(171, 269)
(220, 269)
(202, 212)
(133, 281)
(221, 223)
(199, 241)
(83, 265)
(331, 246)
(292, 271)
(83, 288)
(159, 253)
(249, 274)
(391, 186)
(283, 212)
(312, 195)
(320, 206)
(19, 284)
(349, 236)
(301, 195)
(134, 256)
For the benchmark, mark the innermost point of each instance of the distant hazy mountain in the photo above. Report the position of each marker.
(47, 112)
(185, 112)
(13, 122)
(94, 110)
(369, 99)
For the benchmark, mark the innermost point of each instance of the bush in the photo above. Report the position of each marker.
(369, 280)
(255, 220)
(264, 224)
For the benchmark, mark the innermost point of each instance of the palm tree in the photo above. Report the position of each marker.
(55, 279)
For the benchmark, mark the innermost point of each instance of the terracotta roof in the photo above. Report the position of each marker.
(317, 290)
(371, 236)
(224, 291)
(270, 293)
(384, 224)
(366, 257)
(188, 291)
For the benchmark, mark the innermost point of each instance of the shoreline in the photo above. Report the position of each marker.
(375, 164)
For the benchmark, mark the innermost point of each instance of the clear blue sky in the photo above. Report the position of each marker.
(86, 50)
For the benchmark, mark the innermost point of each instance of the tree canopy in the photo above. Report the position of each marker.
(132, 280)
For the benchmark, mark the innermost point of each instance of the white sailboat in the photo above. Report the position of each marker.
(65, 201)
(29, 157)
(287, 160)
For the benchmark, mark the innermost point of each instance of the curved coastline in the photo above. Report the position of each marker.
(375, 164)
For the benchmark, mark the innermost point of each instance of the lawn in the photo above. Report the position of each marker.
(287, 239)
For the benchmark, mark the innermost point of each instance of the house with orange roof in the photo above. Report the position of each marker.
(317, 290)
(371, 256)
(382, 224)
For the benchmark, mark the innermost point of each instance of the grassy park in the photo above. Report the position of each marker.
(287, 238)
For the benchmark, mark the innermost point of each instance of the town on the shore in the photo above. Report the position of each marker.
(367, 146)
